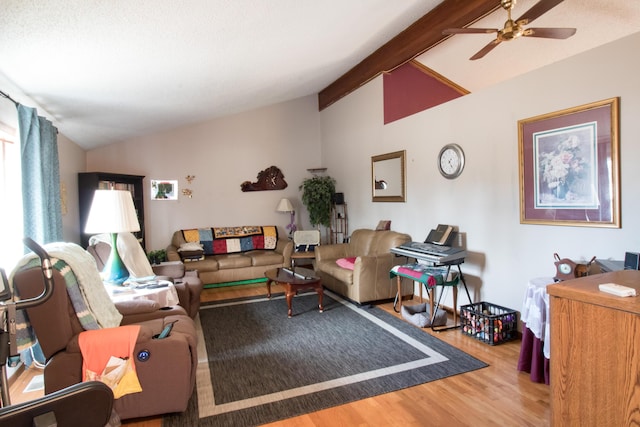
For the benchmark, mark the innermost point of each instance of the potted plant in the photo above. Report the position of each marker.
(156, 257)
(317, 193)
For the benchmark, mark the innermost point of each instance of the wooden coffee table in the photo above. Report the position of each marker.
(293, 283)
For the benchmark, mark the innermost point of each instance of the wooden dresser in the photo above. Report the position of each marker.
(595, 352)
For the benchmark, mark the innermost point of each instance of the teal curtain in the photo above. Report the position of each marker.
(42, 213)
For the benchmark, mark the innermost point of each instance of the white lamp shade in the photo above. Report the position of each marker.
(112, 211)
(284, 206)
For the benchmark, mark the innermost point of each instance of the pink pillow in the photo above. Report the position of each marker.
(346, 262)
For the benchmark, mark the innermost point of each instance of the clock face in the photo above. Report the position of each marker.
(564, 268)
(451, 161)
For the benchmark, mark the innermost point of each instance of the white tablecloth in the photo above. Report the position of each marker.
(165, 296)
(535, 310)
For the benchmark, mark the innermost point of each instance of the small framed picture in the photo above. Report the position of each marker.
(164, 189)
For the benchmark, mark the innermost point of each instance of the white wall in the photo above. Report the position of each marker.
(72, 160)
(484, 201)
(222, 154)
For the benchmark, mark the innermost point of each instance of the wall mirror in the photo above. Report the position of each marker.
(388, 177)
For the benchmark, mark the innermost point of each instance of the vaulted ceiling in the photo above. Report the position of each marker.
(109, 71)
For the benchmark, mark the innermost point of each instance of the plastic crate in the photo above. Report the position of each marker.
(489, 323)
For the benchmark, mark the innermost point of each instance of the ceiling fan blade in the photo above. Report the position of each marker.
(550, 33)
(469, 31)
(537, 10)
(488, 48)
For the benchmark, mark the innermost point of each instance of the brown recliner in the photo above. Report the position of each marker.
(187, 283)
(166, 367)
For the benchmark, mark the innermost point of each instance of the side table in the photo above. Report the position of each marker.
(308, 255)
(535, 347)
(175, 269)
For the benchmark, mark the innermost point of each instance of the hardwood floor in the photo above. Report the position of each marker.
(496, 395)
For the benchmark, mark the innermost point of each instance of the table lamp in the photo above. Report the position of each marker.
(286, 206)
(112, 211)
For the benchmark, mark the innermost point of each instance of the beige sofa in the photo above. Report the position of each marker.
(369, 279)
(231, 254)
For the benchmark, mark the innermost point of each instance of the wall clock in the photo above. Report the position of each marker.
(451, 161)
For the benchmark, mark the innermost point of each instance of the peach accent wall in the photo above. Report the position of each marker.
(411, 88)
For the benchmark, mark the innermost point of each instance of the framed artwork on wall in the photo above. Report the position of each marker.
(570, 166)
(162, 189)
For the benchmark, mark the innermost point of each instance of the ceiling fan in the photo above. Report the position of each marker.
(515, 29)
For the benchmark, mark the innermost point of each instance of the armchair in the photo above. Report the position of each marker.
(165, 367)
(359, 270)
(187, 283)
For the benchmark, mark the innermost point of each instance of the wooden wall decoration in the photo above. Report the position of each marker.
(268, 179)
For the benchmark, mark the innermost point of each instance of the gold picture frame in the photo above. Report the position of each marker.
(388, 177)
(569, 163)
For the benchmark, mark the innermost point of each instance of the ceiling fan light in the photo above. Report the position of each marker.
(510, 31)
(516, 29)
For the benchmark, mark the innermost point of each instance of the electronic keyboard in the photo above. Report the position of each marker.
(430, 252)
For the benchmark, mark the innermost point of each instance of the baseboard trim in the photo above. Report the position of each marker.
(236, 283)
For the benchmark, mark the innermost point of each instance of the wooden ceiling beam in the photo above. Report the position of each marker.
(419, 37)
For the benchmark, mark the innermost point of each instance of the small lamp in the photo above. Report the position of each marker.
(112, 211)
(286, 206)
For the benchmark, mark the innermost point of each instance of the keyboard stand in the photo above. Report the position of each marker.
(398, 299)
(457, 263)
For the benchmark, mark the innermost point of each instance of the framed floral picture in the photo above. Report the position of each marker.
(570, 166)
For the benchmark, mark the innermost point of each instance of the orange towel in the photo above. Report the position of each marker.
(101, 348)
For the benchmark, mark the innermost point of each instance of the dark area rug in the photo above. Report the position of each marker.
(264, 367)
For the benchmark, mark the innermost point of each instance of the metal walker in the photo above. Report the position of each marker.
(8, 308)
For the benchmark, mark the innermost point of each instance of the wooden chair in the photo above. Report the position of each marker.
(304, 245)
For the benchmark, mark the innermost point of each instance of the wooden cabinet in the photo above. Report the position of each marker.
(595, 352)
(89, 182)
(339, 231)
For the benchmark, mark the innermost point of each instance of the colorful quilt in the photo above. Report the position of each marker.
(229, 240)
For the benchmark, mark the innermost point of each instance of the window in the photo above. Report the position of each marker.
(11, 248)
